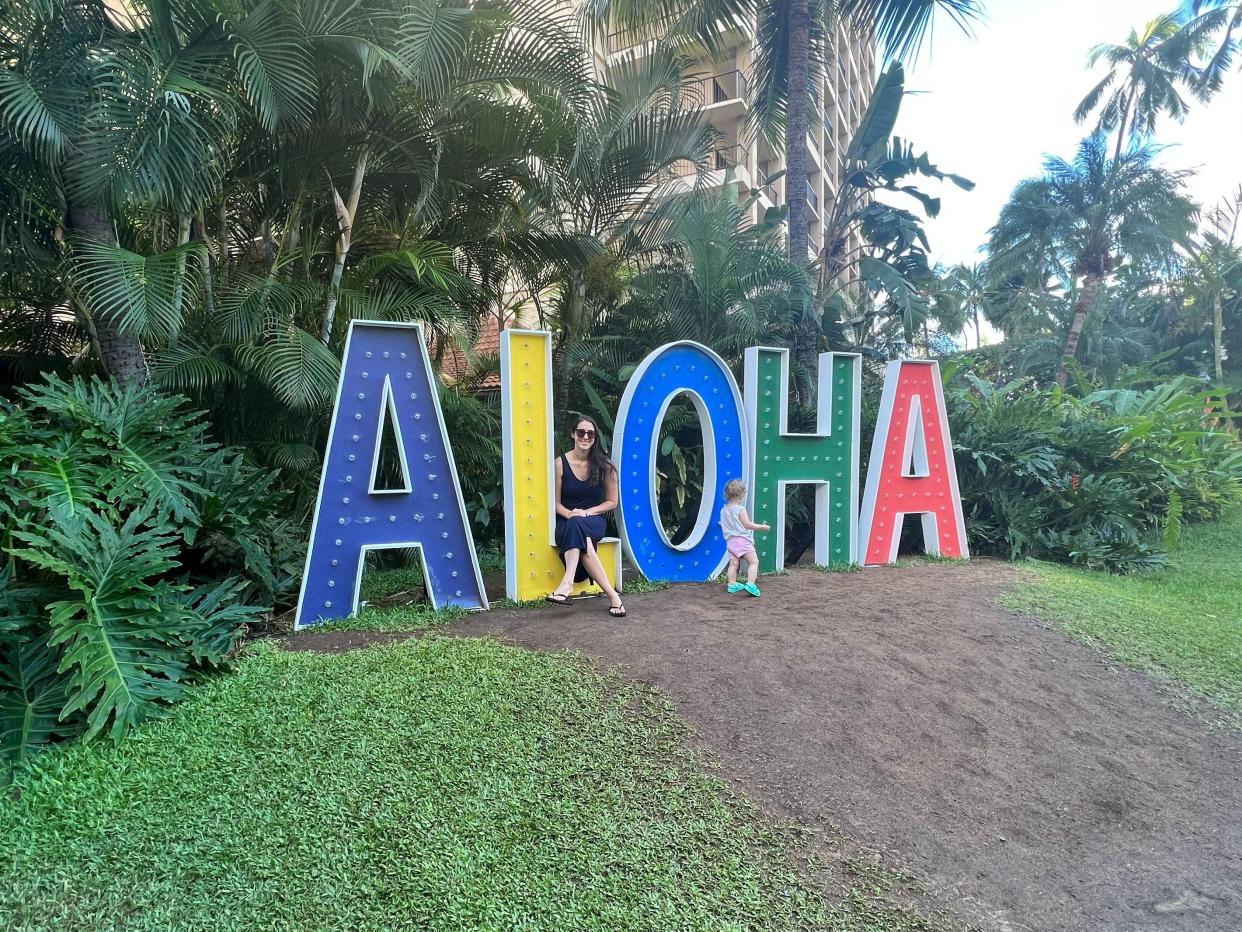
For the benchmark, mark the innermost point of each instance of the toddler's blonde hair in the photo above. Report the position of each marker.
(735, 489)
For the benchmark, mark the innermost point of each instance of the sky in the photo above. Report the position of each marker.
(991, 106)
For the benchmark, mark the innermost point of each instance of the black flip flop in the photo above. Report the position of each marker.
(616, 611)
(557, 599)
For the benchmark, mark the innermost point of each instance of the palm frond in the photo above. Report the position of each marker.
(139, 292)
(296, 366)
(273, 57)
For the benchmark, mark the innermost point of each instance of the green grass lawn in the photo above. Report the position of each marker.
(1182, 623)
(384, 583)
(429, 784)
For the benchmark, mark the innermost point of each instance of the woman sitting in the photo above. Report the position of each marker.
(586, 490)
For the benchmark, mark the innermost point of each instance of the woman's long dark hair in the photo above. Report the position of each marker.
(599, 466)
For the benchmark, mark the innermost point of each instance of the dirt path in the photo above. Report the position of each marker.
(1028, 781)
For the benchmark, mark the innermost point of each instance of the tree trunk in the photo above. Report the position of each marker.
(1218, 331)
(223, 233)
(293, 226)
(346, 212)
(572, 327)
(543, 324)
(183, 237)
(121, 353)
(978, 331)
(797, 124)
(199, 232)
(1081, 309)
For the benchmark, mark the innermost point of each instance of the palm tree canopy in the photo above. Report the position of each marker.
(899, 26)
(1143, 80)
(1212, 19)
(1088, 215)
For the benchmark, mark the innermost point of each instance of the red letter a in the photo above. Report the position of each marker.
(911, 469)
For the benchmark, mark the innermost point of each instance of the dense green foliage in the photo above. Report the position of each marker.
(134, 554)
(1097, 262)
(1087, 219)
(1181, 624)
(1103, 481)
(351, 161)
(439, 783)
(201, 196)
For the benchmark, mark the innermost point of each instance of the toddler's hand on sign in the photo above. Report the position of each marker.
(765, 527)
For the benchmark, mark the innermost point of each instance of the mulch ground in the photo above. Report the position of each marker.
(1028, 781)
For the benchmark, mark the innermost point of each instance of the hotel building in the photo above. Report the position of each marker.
(721, 85)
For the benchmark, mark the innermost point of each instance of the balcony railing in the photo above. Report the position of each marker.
(717, 88)
(812, 198)
(717, 160)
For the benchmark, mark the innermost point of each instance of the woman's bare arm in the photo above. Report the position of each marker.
(561, 510)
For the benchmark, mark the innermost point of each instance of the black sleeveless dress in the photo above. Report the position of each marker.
(573, 533)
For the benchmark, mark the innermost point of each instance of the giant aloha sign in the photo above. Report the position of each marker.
(387, 380)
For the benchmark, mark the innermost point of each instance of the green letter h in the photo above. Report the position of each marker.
(827, 459)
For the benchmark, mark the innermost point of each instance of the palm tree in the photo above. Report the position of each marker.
(1214, 273)
(1082, 220)
(612, 183)
(874, 247)
(970, 283)
(445, 161)
(793, 58)
(142, 129)
(1212, 18)
(1144, 78)
(125, 105)
(713, 277)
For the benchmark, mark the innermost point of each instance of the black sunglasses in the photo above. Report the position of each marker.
(583, 434)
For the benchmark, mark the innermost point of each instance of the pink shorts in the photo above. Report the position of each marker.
(740, 546)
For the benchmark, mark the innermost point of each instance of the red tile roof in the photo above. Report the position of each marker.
(456, 366)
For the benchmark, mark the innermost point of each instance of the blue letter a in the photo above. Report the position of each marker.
(386, 376)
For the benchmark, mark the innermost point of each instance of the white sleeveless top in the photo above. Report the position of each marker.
(731, 522)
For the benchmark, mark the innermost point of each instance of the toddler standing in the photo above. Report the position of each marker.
(739, 532)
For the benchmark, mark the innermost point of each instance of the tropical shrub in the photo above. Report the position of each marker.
(1103, 481)
(134, 554)
(473, 426)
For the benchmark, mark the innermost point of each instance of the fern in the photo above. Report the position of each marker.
(1173, 521)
